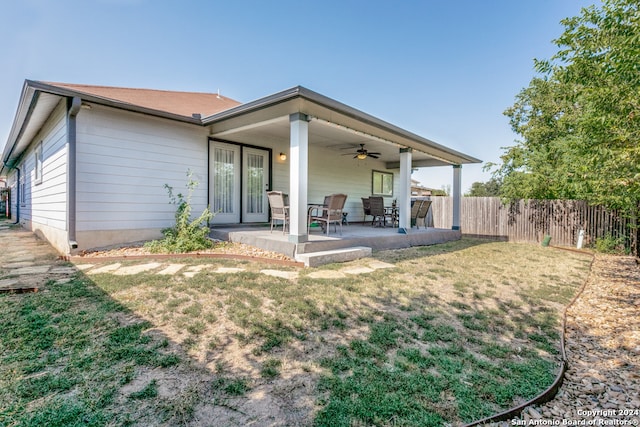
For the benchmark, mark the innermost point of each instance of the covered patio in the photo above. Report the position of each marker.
(317, 146)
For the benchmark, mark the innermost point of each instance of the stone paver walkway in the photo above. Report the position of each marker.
(27, 263)
(189, 271)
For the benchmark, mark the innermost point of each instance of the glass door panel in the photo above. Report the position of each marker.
(224, 185)
(254, 185)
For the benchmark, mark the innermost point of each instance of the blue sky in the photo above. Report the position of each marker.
(444, 69)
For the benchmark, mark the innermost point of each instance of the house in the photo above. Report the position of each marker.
(87, 165)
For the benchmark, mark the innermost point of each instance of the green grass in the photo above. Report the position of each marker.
(454, 333)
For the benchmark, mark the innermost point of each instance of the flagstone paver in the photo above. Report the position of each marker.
(171, 269)
(18, 264)
(63, 270)
(357, 270)
(228, 270)
(135, 269)
(327, 274)
(380, 264)
(38, 269)
(109, 268)
(83, 267)
(290, 275)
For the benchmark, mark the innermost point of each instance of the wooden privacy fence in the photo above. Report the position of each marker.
(531, 220)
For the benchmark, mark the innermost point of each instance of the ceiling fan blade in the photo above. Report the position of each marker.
(372, 156)
(355, 157)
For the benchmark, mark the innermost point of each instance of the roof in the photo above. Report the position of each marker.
(222, 114)
(174, 102)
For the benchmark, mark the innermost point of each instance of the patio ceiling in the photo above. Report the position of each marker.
(332, 125)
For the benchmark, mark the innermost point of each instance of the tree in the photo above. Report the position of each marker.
(490, 188)
(579, 119)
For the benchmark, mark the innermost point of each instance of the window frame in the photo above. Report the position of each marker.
(383, 175)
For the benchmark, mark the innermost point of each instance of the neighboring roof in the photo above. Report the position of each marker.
(174, 102)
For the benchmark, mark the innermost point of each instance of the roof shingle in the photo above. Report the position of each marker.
(180, 103)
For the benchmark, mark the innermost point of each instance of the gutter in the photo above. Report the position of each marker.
(73, 107)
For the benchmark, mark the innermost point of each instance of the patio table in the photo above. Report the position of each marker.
(395, 214)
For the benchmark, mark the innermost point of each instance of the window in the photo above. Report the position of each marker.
(38, 165)
(382, 183)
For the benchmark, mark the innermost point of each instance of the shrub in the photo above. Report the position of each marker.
(188, 234)
(610, 245)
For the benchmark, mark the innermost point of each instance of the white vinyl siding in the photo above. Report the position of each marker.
(124, 160)
(330, 172)
(44, 200)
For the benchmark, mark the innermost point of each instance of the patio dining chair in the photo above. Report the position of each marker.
(329, 212)
(422, 213)
(366, 207)
(379, 213)
(279, 208)
(415, 208)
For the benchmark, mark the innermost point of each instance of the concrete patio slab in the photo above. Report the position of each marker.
(353, 235)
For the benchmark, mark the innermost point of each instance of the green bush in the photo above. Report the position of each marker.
(611, 245)
(188, 234)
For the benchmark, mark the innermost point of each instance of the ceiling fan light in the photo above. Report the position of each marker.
(361, 156)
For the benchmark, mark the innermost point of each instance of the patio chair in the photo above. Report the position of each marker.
(415, 208)
(329, 212)
(422, 213)
(279, 208)
(366, 207)
(379, 213)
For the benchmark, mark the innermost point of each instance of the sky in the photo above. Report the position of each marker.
(445, 70)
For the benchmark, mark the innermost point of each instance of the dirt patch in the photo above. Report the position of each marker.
(228, 248)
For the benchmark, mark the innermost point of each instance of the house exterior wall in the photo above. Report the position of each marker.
(331, 172)
(43, 201)
(124, 161)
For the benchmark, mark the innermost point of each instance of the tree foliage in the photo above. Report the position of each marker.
(579, 118)
(490, 188)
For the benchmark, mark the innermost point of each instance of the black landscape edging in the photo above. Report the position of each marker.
(550, 392)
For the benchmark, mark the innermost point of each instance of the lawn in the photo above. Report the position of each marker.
(447, 334)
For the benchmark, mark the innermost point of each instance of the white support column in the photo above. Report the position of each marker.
(457, 172)
(404, 198)
(298, 177)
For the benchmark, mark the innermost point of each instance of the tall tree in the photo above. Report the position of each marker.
(579, 119)
(490, 188)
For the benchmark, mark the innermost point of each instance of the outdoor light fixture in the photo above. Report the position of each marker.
(283, 156)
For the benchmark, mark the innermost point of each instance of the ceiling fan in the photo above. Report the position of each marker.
(362, 153)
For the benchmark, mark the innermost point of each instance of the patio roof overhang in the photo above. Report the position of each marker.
(332, 124)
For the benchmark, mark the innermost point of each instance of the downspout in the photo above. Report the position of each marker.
(17, 198)
(73, 107)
